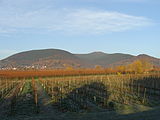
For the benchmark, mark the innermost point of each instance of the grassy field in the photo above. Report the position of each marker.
(97, 97)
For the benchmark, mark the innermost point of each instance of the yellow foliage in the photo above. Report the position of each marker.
(140, 66)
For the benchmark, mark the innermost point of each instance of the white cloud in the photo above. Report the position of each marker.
(71, 21)
(103, 21)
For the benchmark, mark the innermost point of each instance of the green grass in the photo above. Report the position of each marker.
(27, 88)
(131, 109)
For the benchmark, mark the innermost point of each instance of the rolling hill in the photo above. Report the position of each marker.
(152, 60)
(50, 58)
(103, 59)
(55, 58)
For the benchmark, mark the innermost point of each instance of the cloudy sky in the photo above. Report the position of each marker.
(80, 26)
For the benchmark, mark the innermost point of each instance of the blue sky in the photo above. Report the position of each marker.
(80, 26)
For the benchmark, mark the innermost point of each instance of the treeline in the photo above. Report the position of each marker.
(137, 67)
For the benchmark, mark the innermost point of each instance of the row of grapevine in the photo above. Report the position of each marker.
(12, 91)
(35, 95)
(16, 93)
(100, 91)
(6, 85)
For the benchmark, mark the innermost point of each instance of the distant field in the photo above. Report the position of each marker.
(77, 94)
(51, 73)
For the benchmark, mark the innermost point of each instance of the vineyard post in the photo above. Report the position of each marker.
(144, 96)
(36, 101)
(2, 94)
(95, 99)
(154, 86)
(101, 78)
(52, 89)
(123, 85)
(61, 96)
(138, 90)
(68, 84)
(6, 86)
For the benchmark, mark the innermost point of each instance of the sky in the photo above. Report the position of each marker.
(80, 26)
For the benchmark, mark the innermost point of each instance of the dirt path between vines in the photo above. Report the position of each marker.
(44, 101)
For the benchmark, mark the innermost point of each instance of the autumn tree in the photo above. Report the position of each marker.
(140, 66)
(137, 66)
(121, 69)
(98, 67)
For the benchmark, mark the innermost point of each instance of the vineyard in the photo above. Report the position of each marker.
(80, 94)
(102, 92)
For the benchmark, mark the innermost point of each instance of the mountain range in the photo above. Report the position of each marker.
(55, 58)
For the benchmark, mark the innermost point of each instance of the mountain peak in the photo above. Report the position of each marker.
(98, 53)
(143, 55)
